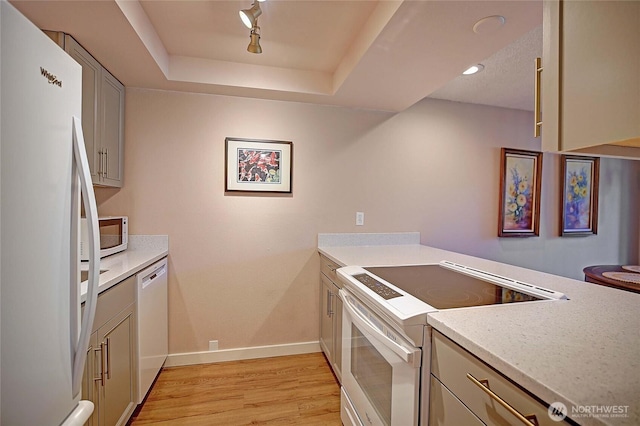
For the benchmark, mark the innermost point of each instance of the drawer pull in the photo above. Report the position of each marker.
(529, 420)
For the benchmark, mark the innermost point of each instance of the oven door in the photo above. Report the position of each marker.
(380, 370)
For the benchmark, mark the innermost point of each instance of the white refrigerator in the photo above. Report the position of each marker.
(43, 336)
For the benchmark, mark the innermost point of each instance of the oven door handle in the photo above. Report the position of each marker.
(411, 357)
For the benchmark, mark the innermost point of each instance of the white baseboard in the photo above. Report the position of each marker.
(190, 358)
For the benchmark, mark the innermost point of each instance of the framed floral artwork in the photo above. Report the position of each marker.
(580, 177)
(256, 165)
(520, 177)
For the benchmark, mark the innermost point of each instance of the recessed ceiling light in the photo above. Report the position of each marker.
(489, 25)
(474, 69)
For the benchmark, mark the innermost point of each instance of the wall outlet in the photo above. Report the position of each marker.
(213, 345)
(359, 218)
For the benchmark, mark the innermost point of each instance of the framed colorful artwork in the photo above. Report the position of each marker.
(580, 177)
(256, 165)
(520, 177)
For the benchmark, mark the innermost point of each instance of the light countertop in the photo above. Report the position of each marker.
(143, 251)
(583, 352)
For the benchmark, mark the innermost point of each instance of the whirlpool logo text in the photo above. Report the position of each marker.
(53, 79)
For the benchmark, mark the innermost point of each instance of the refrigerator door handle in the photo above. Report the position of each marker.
(91, 211)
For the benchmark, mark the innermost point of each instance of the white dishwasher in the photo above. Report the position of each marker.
(153, 324)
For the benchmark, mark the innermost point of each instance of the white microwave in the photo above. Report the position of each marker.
(114, 236)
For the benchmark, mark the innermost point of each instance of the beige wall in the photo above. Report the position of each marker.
(243, 268)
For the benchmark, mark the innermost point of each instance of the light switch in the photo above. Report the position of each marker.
(359, 218)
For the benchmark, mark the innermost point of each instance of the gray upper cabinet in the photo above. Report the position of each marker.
(111, 114)
(591, 78)
(102, 114)
(466, 391)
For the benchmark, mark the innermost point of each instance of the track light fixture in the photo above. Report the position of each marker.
(250, 16)
(250, 20)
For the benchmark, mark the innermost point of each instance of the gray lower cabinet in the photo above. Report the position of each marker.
(446, 409)
(330, 315)
(466, 391)
(110, 372)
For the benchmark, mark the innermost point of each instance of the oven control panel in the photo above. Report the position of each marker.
(376, 286)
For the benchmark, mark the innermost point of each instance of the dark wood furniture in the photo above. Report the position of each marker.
(593, 274)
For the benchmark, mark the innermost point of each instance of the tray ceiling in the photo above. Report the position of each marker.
(383, 55)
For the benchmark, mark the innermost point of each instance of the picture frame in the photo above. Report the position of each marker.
(258, 165)
(580, 177)
(520, 183)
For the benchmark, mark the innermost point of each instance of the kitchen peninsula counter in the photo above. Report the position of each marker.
(583, 352)
(143, 251)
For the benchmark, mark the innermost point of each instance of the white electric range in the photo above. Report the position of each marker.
(386, 340)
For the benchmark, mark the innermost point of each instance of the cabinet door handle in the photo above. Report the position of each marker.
(102, 168)
(328, 303)
(529, 420)
(102, 361)
(537, 116)
(100, 162)
(94, 350)
(108, 356)
(106, 162)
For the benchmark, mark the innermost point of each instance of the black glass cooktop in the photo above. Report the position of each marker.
(440, 287)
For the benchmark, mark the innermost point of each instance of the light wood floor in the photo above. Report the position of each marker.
(288, 390)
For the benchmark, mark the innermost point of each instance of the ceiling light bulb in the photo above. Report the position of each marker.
(250, 16)
(474, 69)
